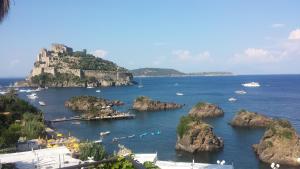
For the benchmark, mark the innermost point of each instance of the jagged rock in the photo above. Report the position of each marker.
(280, 144)
(205, 110)
(144, 103)
(92, 106)
(245, 118)
(196, 137)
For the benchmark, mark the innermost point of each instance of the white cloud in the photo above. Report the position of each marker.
(100, 53)
(278, 25)
(255, 55)
(182, 55)
(295, 35)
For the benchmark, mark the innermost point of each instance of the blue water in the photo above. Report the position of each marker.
(279, 96)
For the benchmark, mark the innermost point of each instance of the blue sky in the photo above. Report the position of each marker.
(244, 37)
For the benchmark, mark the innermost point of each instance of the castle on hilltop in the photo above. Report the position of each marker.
(61, 59)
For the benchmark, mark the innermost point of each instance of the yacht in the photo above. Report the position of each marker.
(42, 103)
(240, 92)
(104, 133)
(32, 96)
(232, 99)
(251, 84)
(179, 94)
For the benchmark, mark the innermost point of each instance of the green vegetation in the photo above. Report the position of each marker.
(156, 72)
(184, 125)
(282, 128)
(150, 165)
(200, 104)
(18, 119)
(142, 98)
(94, 150)
(47, 79)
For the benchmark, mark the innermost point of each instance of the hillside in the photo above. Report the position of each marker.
(173, 72)
(156, 72)
(61, 67)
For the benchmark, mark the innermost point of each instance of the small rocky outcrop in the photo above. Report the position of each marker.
(280, 144)
(144, 103)
(196, 136)
(92, 106)
(245, 118)
(205, 110)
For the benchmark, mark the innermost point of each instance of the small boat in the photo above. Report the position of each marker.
(131, 136)
(251, 84)
(232, 99)
(115, 139)
(240, 92)
(42, 103)
(104, 133)
(32, 96)
(158, 132)
(98, 141)
(179, 94)
(22, 90)
(90, 87)
(98, 91)
(76, 122)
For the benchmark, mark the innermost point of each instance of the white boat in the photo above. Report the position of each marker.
(98, 91)
(32, 96)
(76, 122)
(232, 99)
(98, 141)
(251, 84)
(240, 92)
(179, 94)
(104, 133)
(90, 87)
(42, 103)
(22, 90)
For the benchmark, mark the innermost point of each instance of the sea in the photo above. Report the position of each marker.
(278, 97)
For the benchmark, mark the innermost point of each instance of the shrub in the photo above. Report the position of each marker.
(150, 165)
(200, 104)
(183, 125)
(89, 149)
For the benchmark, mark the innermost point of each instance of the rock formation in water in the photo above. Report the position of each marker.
(196, 136)
(61, 67)
(143, 103)
(92, 106)
(279, 144)
(245, 118)
(205, 110)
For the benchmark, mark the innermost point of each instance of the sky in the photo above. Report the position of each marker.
(243, 37)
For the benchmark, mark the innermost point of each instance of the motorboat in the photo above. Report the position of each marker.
(42, 103)
(232, 99)
(32, 96)
(179, 94)
(240, 92)
(104, 133)
(251, 84)
(98, 91)
(90, 87)
(98, 141)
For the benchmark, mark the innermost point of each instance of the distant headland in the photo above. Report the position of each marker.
(157, 72)
(62, 67)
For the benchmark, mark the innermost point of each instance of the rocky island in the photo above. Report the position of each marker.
(62, 67)
(206, 110)
(244, 118)
(143, 103)
(94, 108)
(194, 135)
(279, 144)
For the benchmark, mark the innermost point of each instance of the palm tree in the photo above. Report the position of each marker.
(4, 7)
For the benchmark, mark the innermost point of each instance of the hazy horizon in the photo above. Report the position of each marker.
(246, 38)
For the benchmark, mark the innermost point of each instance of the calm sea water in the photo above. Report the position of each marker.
(278, 96)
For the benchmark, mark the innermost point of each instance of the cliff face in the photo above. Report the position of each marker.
(250, 119)
(61, 67)
(197, 136)
(205, 110)
(280, 144)
(144, 103)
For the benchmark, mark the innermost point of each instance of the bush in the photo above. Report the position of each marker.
(150, 165)
(183, 125)
(200, 104)
(89, 149)
(121, 163)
